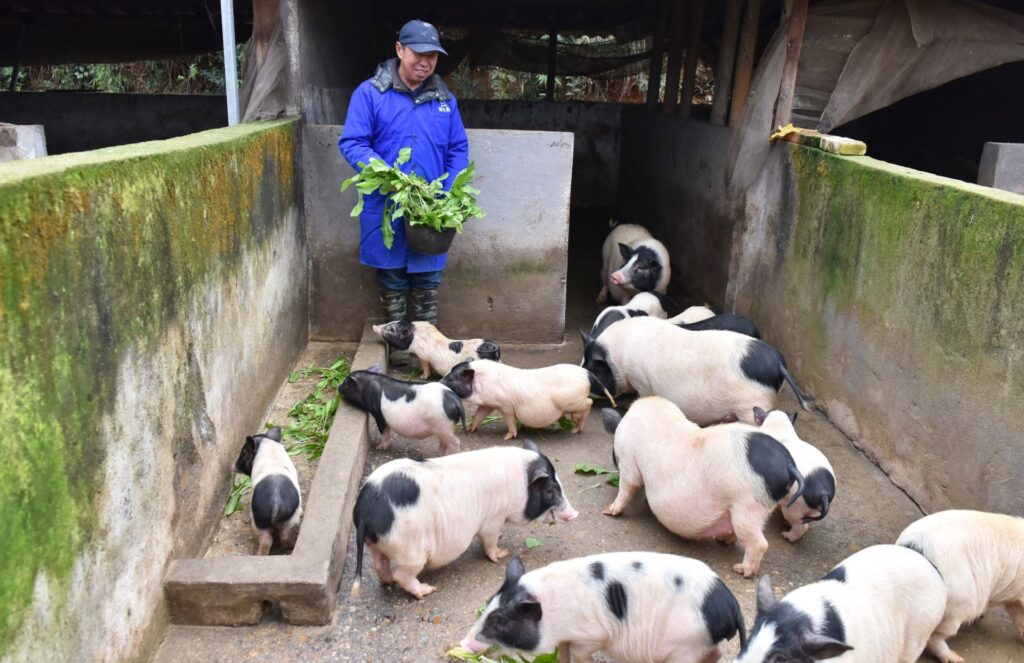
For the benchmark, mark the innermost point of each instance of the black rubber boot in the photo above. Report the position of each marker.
(394, 304)
(394, 310)
(424, 305)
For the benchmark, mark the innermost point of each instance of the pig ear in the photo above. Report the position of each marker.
(530, 445)
(625, 251)
(274, 433)
(792, 417)
(611, 419)
(587, 339)
(765, 597)
(759, 416)
(246, 457)
(376, 368)
(537, 473)
(514, 570)
(822, 647)
(530, 610)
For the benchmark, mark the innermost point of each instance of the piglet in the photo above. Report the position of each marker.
(436, 352)
(413, 409)
(276, 502)
(633, 606)
(981, 558)
(632, 261)
(720, 482)
(415, 515)
(879, 605)
(643, 303)
(712, 376)
(537, 397)
(693, 314)
(819, 477)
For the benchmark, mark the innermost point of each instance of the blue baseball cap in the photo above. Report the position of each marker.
(421, 37)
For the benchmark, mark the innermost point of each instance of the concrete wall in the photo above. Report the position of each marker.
(152, 298)
(331, 49)
(596, 129)
(898, 298)
(506, 273)
(672, 181)
(80, 121)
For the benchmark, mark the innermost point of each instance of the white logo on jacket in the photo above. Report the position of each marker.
(443, 107)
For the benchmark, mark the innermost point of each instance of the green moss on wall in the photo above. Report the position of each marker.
(920, 256)
(99, 251)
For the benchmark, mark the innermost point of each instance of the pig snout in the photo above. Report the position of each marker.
(568, 514)
(378, 329)
(617, 278)
(472, 645)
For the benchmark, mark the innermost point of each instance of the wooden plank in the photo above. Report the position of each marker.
(692, 49)
(726, 62)
(675, 56)
(794, 40)
(661, 16)
(745, 60)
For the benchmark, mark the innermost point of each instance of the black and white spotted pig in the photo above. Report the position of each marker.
(879, 605)
(720, 482)
(692, 314)
(537, 397)
(424, 514)
(643, 303)
(437, 353)
(712, 376)
(276, 502)
(981, 558)
(633, 606)
(819, 477)
(733, 322)
(413, 409)
(632, 261)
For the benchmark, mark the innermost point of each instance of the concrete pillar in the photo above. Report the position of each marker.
(1002, 167)
(24, 141)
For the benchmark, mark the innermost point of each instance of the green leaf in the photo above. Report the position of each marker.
(404, 155)
(583, 468)
(241, 486)
(532, 543)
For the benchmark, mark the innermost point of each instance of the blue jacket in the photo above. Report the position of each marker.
(383, 117)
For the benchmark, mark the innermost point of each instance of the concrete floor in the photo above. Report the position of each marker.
(385, 624)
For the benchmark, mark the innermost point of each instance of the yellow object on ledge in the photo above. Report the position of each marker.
(818, 140)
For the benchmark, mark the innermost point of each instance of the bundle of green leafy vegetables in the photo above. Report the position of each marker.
(411, 197)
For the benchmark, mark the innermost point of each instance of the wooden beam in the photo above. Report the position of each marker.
(265, 17)
(726, 62)
(692, 51)
(552, 62)
(675, 55)
(794, 40)
(745, 60)
(661, 14)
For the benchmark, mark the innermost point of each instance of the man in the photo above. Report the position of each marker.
(405, 104)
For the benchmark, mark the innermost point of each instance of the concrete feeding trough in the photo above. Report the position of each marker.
(232, 591)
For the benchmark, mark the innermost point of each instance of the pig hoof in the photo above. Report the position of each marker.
(510, 435)
(738, 568)
(790, 536)
(952, 657)
(498, 553)
(609, 511)
(424, 590)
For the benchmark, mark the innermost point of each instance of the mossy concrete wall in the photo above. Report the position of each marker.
(152, 296)
(898, 298)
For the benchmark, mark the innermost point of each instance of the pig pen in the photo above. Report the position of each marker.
(386, 624)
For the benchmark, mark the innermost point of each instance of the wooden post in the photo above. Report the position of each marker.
(692, 51)
(745, 60)
(552, 62)
(661, 15)
(675, 56)
(794, 41)
(726, 62)
(265, 17)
